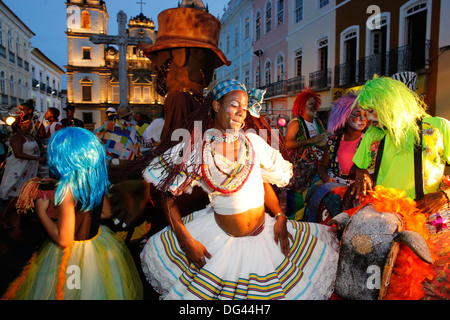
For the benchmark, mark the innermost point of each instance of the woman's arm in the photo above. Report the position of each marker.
(17, 142)
(62, 231)
(293, 143)
(195, 251)
(106, 208)
(280, 231)
(323, 167)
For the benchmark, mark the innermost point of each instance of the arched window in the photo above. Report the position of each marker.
(258, 26)
(280, 12)
(268, 16)
(1, 32)
(268, 73)
(280, 68)
(10, 40)
(20, 89)
(2, 82)
(85, 20)
(11, 87)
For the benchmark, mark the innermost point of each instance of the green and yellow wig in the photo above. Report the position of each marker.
(398, 109)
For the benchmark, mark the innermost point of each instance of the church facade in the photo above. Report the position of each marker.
(93, 69)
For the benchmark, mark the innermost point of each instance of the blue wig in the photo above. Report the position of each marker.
(77, 159)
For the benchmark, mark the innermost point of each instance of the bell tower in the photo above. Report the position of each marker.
(86, 61)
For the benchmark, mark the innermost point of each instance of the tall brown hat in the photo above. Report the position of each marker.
(187, 28)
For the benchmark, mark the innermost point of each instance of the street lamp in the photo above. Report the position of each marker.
(259, 54)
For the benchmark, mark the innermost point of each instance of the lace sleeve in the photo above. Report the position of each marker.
(274, 168)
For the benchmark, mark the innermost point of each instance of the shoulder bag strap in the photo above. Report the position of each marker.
(418, 164)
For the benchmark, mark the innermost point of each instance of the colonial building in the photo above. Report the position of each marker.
(335, 46)
(93, 68)
(15, 56)
(388, 38)
(46, 83)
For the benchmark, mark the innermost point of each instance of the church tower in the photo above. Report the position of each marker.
(86, 61)
(93, 68)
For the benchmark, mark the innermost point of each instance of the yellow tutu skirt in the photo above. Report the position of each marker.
(100, 268)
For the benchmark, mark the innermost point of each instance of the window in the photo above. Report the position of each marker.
(323, 54)
(18, 47)
(258, 26)
(268, 17)
(247, 78)
(323, 3)
(350, 46)
(298, 10)
(268, 73)
(87, 117)
(10, 40)
(85, 20)
(26, 96)
(280, 68)
(1, 33)
(86, 54)
(86, 93)
(86, 89)
(12, 92)
(280, 12)
(258, 76)
(20, 89)
(236, 36)
(246, 28)
(298, 63)
(2, 82)
(228, 44)
(115, 94)
(142, 94)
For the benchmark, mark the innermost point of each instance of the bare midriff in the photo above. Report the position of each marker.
(241, 224)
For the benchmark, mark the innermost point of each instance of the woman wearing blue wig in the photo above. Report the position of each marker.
(81, 260)
(233, 249)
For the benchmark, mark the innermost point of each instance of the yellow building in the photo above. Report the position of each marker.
(92, 69)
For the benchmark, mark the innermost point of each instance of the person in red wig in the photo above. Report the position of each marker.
(305, 138)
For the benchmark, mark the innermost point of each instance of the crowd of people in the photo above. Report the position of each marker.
(241, 244)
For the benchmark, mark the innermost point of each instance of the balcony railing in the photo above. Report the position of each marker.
(406, 58)
(295, 85)
(320, 79)
(35, 83)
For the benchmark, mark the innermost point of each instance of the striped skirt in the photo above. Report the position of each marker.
(250, 267)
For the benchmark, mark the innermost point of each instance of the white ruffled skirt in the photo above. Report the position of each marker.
(250, 267)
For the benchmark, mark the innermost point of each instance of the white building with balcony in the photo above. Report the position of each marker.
(46, 82)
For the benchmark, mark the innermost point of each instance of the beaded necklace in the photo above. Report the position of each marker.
(237, 177)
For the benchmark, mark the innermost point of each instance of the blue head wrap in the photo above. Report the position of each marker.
(255, 96)
(77, 159)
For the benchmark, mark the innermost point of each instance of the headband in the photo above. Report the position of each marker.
(255, 96)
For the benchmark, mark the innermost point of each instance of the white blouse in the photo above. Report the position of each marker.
(269, 166)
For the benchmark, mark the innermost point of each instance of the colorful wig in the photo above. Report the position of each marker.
(341, 110)
(398, 109)
(302, 99)
(77, 159)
